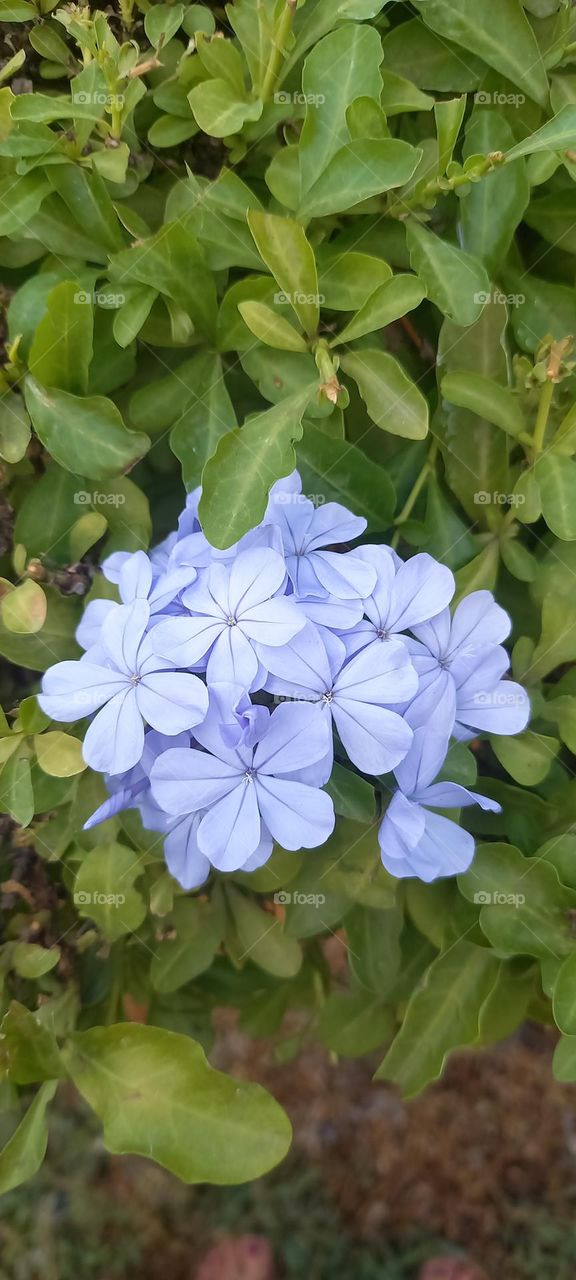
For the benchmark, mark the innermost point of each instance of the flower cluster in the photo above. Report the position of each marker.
(226, 682)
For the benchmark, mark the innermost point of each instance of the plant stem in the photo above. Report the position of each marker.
(279, 41)
(415, 491)
(542, 416)
(440, 186)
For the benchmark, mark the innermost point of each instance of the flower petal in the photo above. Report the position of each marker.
(229, 832)
(184, 859)
(172, 701)
(114, 741)
(72, 690)
(375, 739)
(297, 816)
(298, 735)
(185, 780)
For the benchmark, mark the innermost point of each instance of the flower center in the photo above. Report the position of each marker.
(328, 697)
(135, 678)
(444, 663)
(382, 634)
(249, 776)
(232, 621)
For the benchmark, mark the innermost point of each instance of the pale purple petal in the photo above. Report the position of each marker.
(229, 832)
(343, 574)
(255, 576)
(503, 710)
(297, 816)
(185, 861)
(72, 690)
(123, 632)
(172, 701)
(184, 641)
(90, 625)
(375, 739)
(298, 735)
(450, 795)
(183, 781)
(422, 588)
(380, 674)
(232, 659)
(114, 741)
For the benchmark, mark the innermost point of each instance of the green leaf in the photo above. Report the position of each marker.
(104, 890)
(172, 262)
(363, 168)
(161, 22)
(237, 478)
(449, 116)
(61, 352)
(28, 1051)
(23, 1154)
(564, 1060)
(54, 643)
(442, 1015)
(557, 134)
(85, 434)
(357, 52)
(393, 401)
(24, 609)
(335, 471)
(485, 398)
(556, 478)
(59, 754)
(540, 310)
(318, 20)
(32, 961)
(498, 32)
(457, 283)
(348, 280)
(354, 1024)
(283, 246)
(16, 794)
(210, 1127)
(198, 928)
(270, 328)
(557, 642)
(220, 110)
(374, 947)
(206, 416)
(14, 427)
(86, 196)
(20, 198)
(394, 298)
(353, 797)
(412, 50)
(133, 313)
(262, 939)
(564, 1000)
(528, 758)
(493, 208)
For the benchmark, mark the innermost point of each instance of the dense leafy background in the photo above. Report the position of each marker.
(233, 238)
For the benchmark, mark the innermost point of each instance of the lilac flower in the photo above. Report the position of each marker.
(249, 794)
(305, 531)
(233, 611)
(413, 840)
(356, 693)
(137, 580)
(465, 654)
(405, 595)
(131, 686)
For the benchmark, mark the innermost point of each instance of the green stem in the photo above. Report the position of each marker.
(546, 397)
(279, 41)
(415, 491)
(440, 186)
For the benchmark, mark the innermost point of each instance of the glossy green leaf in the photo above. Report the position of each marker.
(556, 135)
(284, 247)
(498, 32)
(492, 209)
(32, 961)
(528, 758)
(24, 1152)
(24, 609)
(220, 110)
(205, 417)
(394, 298)
(210, 1128)
(354, 1024)
(393, 401)
(442, 1015)
(237, 478)
(335, 471)
(171, 261)
(104, 890)
(28, 1051)
(271, 328)
(86, 434)
(61, 352)
(363, 168)
(486, 399)
(161, 22)
(14, 427)
(455, 281)
(196, 930)
(357, 51)
(262, 939)
(556, 478)
(59, 754)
